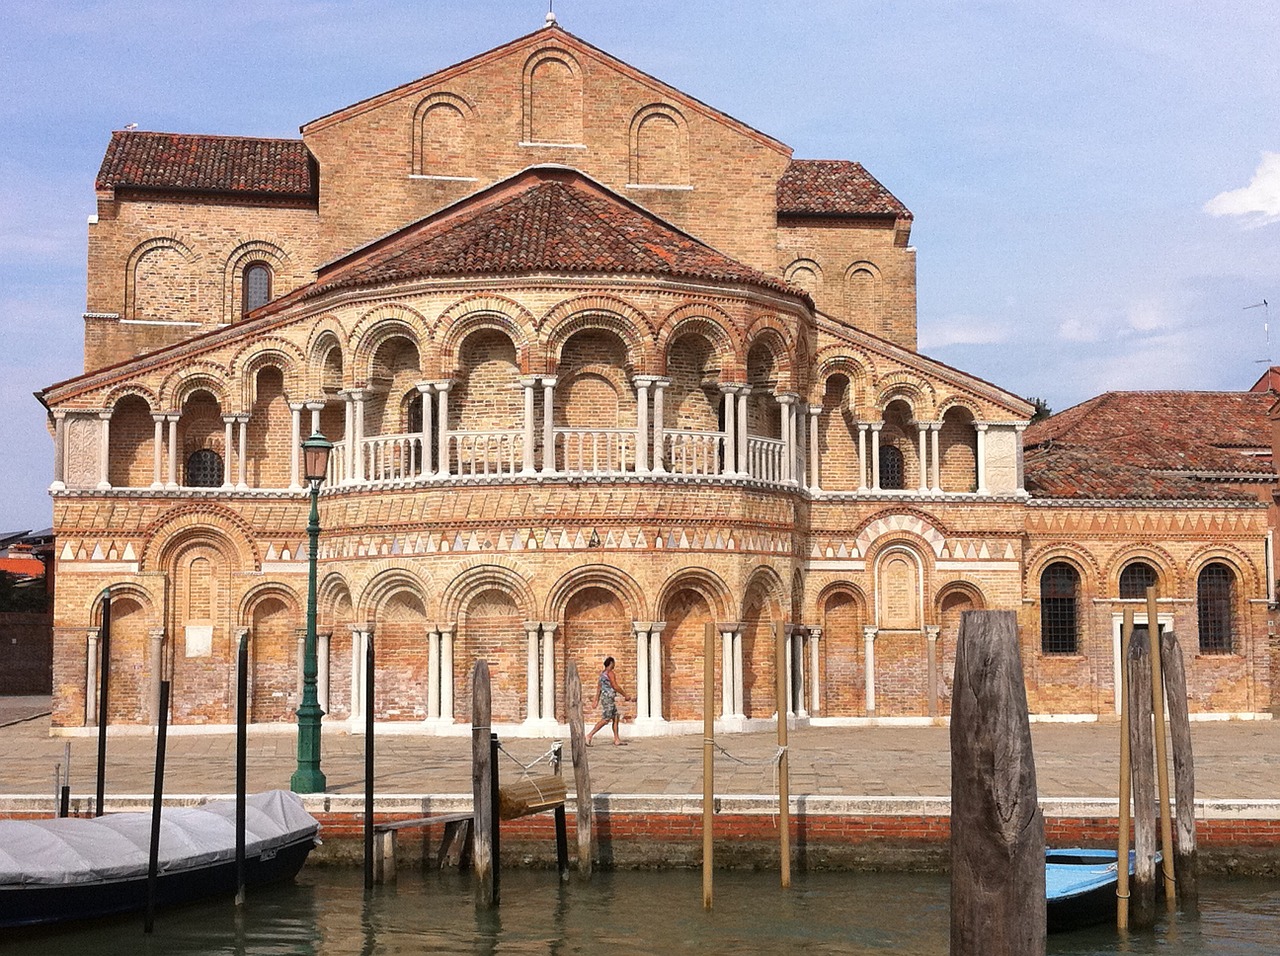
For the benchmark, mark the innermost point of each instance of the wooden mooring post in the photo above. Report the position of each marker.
(1185, 857)
(483, 791)
(1142, 889)
(1122, 830)
(583, 821)
(1162, 753)
(784, 796)
(997, 830)
(708, 760)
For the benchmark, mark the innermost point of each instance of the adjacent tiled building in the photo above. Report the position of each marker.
(601, 364)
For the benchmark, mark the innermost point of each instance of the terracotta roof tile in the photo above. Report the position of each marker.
(833, 187)
(544, 220)
(1056, 472)
(208, 164)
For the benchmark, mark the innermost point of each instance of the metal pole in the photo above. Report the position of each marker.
(104, 673)
(157, 801)
(307, 778)
(368, 764)
(242, 721)
(1122, 834)
(493, 809)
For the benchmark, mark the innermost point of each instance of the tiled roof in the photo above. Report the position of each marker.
(834, 187)
(543, 220)
(208, 164)
(1056, 472)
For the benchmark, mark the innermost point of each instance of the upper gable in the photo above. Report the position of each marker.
(548, 97)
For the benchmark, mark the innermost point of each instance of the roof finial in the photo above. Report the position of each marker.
(551, 13)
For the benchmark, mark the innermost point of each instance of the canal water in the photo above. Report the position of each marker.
(326, 913)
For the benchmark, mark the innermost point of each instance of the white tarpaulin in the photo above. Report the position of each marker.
(88, 850)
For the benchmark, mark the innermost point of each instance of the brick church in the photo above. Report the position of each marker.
(601, 364)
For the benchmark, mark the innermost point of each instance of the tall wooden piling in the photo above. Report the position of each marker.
(1185, 857)
(242, 727)
(482, 790)
(581, 771)
(369, 744)
(997, 830)
(1142, 890)
(1162, 754)
(708, 760)
(104, 684)
(784, 782)
(1122, 831)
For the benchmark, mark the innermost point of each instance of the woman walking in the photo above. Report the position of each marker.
(607, 691)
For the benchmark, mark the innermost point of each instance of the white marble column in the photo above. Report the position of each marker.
(815, 471)
(357, 435)
(935, 459)
(549, 424)
(862, 457)
(789, 660)
(815, 672)
(642, 669)
(315, 408)
(655, 670)
(104, 450)
(242, 482)
(739, 682)
(922, 444)
(360, 633)
(228, 447)
(528, 465)
(157, 452)
(156, 666)
(726, 674)
(786, 407)
(59, 450)
(443, 466)
(1021, 463)
(869, 667)
(641, 384)
(659, 432)
(744, 447)
(349, 432)
(91, 678)
(549, 671)
(931, 636)
(446, 673)
(433, 674)
(172, 419)
(981, 429)
(295, 442)
(323, 643)
(425, 390)
(800, 426)
(875, 456)
(729, 464)
(532, 701)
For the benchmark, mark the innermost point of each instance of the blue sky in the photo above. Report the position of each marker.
(1096, 184)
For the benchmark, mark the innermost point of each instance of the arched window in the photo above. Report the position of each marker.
(257, 286)
(1215, 605)
(1059, 595)
(1136, 578)
(892, 472)
(204, 469)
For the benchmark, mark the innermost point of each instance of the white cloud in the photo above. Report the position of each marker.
(1079, 330)
(1260, 200)
(962, 330)
(1147, 317)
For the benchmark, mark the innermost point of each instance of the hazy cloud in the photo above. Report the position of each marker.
(962, 330)
(1260, 200)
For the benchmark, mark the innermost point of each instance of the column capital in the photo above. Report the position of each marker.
(643, 381)
(657, 627)
(92, 634)
(105, 414)
(549, 381)
(531, 627)
(815, 633)
(58, 413)
(363, 628)
(314, 405)
(297, 406)
(869, 632)
(744, 389)
(157, 633)
(173, 416)
(159, 417)
(660, 382)
(549, 628)
(787, 398)
(527, 381)
(931, 632)
(815, 410)
(981, 426)
(354, 394)
(875, 426)
(640, 627)
(446, 629)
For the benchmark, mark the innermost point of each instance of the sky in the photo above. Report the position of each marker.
(1096, 185)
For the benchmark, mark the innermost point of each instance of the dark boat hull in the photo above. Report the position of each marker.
(40, 904)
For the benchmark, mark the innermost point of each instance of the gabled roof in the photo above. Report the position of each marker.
(834, 187)
(182, 162)
(1075, 473)
(544, 220)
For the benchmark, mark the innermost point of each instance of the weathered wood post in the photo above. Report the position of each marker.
(369, 708)
(242, 748)
(997, 830)
(708, 760)
(784, 783)
(1185, 857)
(482, 791)
(1162, 754)
(1142, 891)
(104, 685)
(581, 771)
(1122, 830)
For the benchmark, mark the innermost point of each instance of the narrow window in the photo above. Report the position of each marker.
(892, 472)
(204, 469)
(1059, 591)
(257, 286)
(1136, 578)
(1215, 601)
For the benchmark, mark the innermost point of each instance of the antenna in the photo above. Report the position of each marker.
(551, 12)
(1266, 328)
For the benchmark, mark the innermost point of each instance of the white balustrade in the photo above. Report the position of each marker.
(595, 451)
(693, 453)
(499, 452)
(764, 458)
(393, 457)
(337, 472)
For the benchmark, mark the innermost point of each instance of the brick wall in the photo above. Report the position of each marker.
(26, 653)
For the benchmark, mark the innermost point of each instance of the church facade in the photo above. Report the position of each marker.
(601, 365)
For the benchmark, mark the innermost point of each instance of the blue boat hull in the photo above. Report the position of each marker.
(1080, 888)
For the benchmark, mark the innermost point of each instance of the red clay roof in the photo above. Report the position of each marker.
(543, 220)
(208, 164)
(1057, 472)
(834, 187)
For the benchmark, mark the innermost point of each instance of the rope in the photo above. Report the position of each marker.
(760, 762)
(525, 768)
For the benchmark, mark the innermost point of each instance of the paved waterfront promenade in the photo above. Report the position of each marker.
(1234, 761)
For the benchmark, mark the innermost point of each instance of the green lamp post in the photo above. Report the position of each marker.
(308, 778)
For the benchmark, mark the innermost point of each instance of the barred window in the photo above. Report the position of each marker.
(1059, 593)
(1215, 604)
(204, 469)
(892, 472)
(257, 285)
(1136, 578)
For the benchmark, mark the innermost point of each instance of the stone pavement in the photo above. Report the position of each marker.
(1234, 761)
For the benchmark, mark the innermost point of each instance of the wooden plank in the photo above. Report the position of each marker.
(997, 830)
(1185, 857)
(1142, 890)
(482, 787)
(531, 795)
(420, 822)
(581, 772)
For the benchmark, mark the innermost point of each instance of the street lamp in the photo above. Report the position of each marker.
(308, 778)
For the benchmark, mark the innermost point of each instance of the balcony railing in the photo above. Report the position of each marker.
(595, 451)
(393, 458)
(486, 452)
(764, 458)
(693, 453)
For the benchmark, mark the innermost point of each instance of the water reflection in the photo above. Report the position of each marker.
(328, 913)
